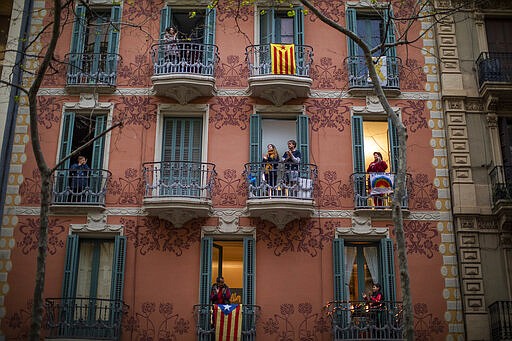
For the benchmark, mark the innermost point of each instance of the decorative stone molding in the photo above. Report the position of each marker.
(96, 223)
(370, 232)
(474, 105)
(88, 101)
(372, 106)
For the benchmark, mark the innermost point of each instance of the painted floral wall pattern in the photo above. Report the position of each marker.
(56, 73)
(328, 75)
(148, 324)
(29, 228)
(412, 75)
(233, 72)
(16, 324)
(127, 190)
(49, 111)
(30, 189)
(328, 113)
(421, 238)
(303, 326)
(230, 10)
(137, 72)
(150, 234)
(331, 190)
(427, 326)
(142, 12)
(136, 110)
(335, 13)
(300, 236)
(230, 111)
(422, 192)
(413, 115)
(230, 189)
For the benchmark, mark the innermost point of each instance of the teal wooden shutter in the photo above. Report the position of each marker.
(390, 33)
(98, 146)
(182, 139)
(255, 142)
(113, 42)
(338, 263)
(205, 275)
(388, 269)
(267, 26)
(298, 25)
(66, 141)
(205, 280)
(393, 146)
(118, 267)
(77, 44)
(249, 271)
(209, 36)
(248, 299)
(70, 266)
(358, 161)
(352, 26)
(303, 137)
(165, 20)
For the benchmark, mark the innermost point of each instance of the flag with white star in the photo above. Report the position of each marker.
(228, 322)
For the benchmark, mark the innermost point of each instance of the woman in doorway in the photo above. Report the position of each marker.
(377, 166)
(271, 159)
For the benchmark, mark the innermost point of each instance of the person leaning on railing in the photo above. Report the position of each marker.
(377, 166)
(375, 301)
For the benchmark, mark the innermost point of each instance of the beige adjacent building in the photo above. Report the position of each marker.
(475, 50)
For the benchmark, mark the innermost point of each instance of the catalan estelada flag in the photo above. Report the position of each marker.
(283, 59)
(228, 322)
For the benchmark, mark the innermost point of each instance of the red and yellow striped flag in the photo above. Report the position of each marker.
(228, 322)
(283, 59)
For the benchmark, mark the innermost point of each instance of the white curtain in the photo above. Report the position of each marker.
(372, 260)
(350, 256)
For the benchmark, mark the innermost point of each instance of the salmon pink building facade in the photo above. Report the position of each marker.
(183, 191)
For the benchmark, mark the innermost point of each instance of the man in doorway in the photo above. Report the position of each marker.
(220, 293)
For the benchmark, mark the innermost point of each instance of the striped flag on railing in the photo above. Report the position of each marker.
(228, 322)
(283, 59)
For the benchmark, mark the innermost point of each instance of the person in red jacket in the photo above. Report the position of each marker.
(377, 166)
(220, 293)
(375, 297)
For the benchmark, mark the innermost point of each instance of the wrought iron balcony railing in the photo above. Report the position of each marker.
(501, 320)
(179, 179)
(501, 184)
(259, 60)
(184, 57)
(280, 180)
(388, 70)
(365, 198)
(494, 67)
(203, 315)
(84, 318)
(360, 320)
(87, 187)
(92, 69)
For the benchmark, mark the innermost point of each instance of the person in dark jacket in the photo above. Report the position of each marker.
(79, 173)
(220, 293)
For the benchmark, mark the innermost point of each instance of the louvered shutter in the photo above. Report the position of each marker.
(205, 278)
(255, 142)
(70, 266)
(77, 45)
(113, 43)
(393, 146)
(66, 142)
(209, 37)
(303, 137)
(118, 267)
(388, 269)
(248, 299)
(98, 145)
(358, 161)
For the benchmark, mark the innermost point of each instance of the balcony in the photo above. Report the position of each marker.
(80, 193)
(501, 320)
(357, 320)
(184, 71)
(278, 88)
(495, 74)
(92, 72)
(282, 193)
(379, 200)
(84, 318)
(203, 314)
(178, 191)
(501, 187)
(388, 70)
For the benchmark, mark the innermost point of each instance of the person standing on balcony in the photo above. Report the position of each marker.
(79, 173)
(170, 41)
(375, 301)
(377, 166)
(220, 293)
(271, 159)
(291, 159)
